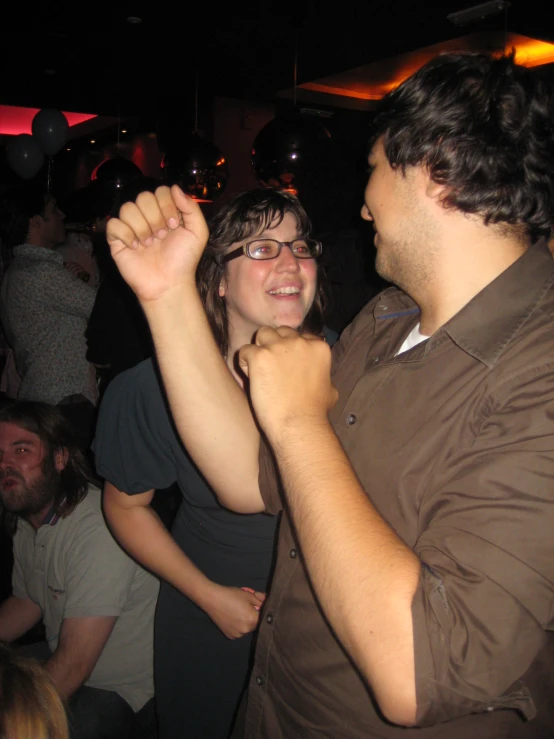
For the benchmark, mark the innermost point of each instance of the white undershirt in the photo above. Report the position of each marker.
(414, 338)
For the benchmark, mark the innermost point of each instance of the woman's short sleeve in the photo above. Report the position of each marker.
(135, 440)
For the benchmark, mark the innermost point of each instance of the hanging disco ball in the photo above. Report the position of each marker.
(115, 173)
(198, 167)
(286, 148)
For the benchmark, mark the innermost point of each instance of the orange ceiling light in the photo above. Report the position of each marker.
(534, 53)
(15, 119)
(371, 82)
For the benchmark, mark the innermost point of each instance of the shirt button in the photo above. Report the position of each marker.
(260, 680)
(375, 360)
(351, 419)
(269, 618)
(490, 708)
(292, 553)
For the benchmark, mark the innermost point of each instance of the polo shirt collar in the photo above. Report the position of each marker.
(52, 516)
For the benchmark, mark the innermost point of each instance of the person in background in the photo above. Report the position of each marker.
(96, 603)
(86, 211)
(44, 310)
(117, 333)
(30, 707)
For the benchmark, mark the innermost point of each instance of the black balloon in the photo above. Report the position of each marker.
(50, 129)
(113, 174)
(197, 166)
(25, 156)
(286, 148)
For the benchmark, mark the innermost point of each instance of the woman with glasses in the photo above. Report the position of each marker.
(259, 268)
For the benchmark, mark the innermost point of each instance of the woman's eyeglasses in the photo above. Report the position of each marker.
(271, 248)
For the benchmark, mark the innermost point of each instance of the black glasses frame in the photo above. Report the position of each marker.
(244, 250)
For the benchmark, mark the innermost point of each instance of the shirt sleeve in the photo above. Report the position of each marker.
(134, 433)
(64, 292)
(485, 598)
(98, 573)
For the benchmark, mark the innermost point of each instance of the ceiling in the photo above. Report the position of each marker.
(92, 59)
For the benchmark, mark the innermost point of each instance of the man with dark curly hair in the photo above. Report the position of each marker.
(414, 583)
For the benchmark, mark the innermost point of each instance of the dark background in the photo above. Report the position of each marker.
(88, 57)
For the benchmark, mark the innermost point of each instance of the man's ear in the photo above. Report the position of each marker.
(35, 222)
(436, 191)
(61, 457)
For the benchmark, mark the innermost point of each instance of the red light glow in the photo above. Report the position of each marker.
(15, 120)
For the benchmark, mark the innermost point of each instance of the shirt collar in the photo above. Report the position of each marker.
(52, 515)
(487, 324)
(393, 303)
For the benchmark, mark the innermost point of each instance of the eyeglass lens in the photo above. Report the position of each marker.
(269, 248)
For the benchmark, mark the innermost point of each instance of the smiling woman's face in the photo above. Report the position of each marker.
(272, 292)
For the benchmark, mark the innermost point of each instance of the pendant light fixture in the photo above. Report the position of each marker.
(196, 164)
(284, 150)
(116, 172)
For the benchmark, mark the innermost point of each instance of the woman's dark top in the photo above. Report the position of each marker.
(199, 673)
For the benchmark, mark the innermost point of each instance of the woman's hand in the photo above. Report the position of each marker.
(235, 611)
(157, 241)
(77, 270)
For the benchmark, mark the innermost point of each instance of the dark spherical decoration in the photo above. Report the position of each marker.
(50, 129)
(286, 148)
(116, 173)
(197, 166)
(24, 155)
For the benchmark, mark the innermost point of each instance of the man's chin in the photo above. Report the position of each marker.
(10, 503)
(381, 268)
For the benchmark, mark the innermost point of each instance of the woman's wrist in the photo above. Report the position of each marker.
(172, 296)
(206, 594)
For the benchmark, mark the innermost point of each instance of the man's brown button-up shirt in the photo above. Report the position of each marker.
(453, 441)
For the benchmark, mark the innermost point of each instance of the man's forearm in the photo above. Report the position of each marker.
(17, 616)
(69, 295)
(211, 412)
(67, 676)
(363, 574)
(80, 645)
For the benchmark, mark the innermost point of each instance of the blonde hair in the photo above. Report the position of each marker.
(30, 707)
